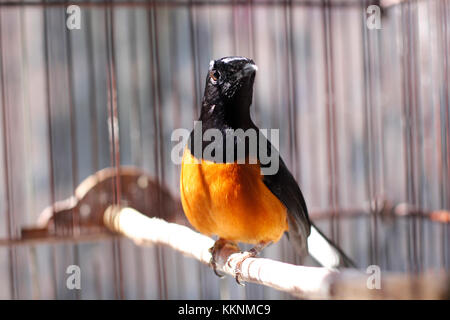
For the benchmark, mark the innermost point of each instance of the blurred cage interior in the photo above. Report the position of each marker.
(363, 117)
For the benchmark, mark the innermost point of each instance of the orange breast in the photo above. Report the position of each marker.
(231, 201)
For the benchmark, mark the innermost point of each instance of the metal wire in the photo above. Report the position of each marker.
(364, 123)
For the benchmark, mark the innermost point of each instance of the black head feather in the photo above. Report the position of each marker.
(228, 93)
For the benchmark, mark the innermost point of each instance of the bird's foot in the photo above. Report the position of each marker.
(237, 268)
(215, 249)
(253, 252)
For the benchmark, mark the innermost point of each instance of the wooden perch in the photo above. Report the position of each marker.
(301, 281)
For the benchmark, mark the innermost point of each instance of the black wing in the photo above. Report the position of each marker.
(283, 185)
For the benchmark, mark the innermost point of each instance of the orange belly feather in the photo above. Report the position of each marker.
(231, 201)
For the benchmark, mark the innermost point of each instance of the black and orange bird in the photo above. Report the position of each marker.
(234, 199)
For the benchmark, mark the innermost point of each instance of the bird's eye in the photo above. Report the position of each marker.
(214, 75)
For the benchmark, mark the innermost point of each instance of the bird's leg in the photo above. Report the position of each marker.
(215, 249)
(253, 252)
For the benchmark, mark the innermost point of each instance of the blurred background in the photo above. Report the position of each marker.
(363, 116)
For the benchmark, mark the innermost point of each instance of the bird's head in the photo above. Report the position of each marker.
(229, 86)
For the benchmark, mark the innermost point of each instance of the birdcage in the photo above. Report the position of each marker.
(92, 90)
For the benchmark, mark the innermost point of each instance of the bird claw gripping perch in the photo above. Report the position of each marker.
(253, 252)
(212, 261)
(217, 248)
(237, 268)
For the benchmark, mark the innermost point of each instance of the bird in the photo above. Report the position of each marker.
(230, 197)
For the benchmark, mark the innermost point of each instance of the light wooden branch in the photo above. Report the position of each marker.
(301, 281)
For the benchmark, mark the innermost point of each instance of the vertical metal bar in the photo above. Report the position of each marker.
(379, 151)
(174, 79)
(334, 137)
(114, 141)
(350, 56)
(180, 274)
(330, 117)
(310, 100)
(34, 267)
(375, 141)
(50, 139)
(251, 29)
(137, 157)
(197, 88)
(408, 115)
(155, 130)
(253, 49)
(446, 70)
(7, 182)
(73, 129)
(405, 101)
(415, 134)
(369, 138)
(112, 103)
(440, 157)
(195, 62)
(289, 90)
(235, 27)
(160, 153)
(137, 144)
(409, 129)
(290, 67)
(157, 122)
(92, 92)
(293, 85)
(418, 141)
(444, 37)
(73, 142)
(381, 192)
